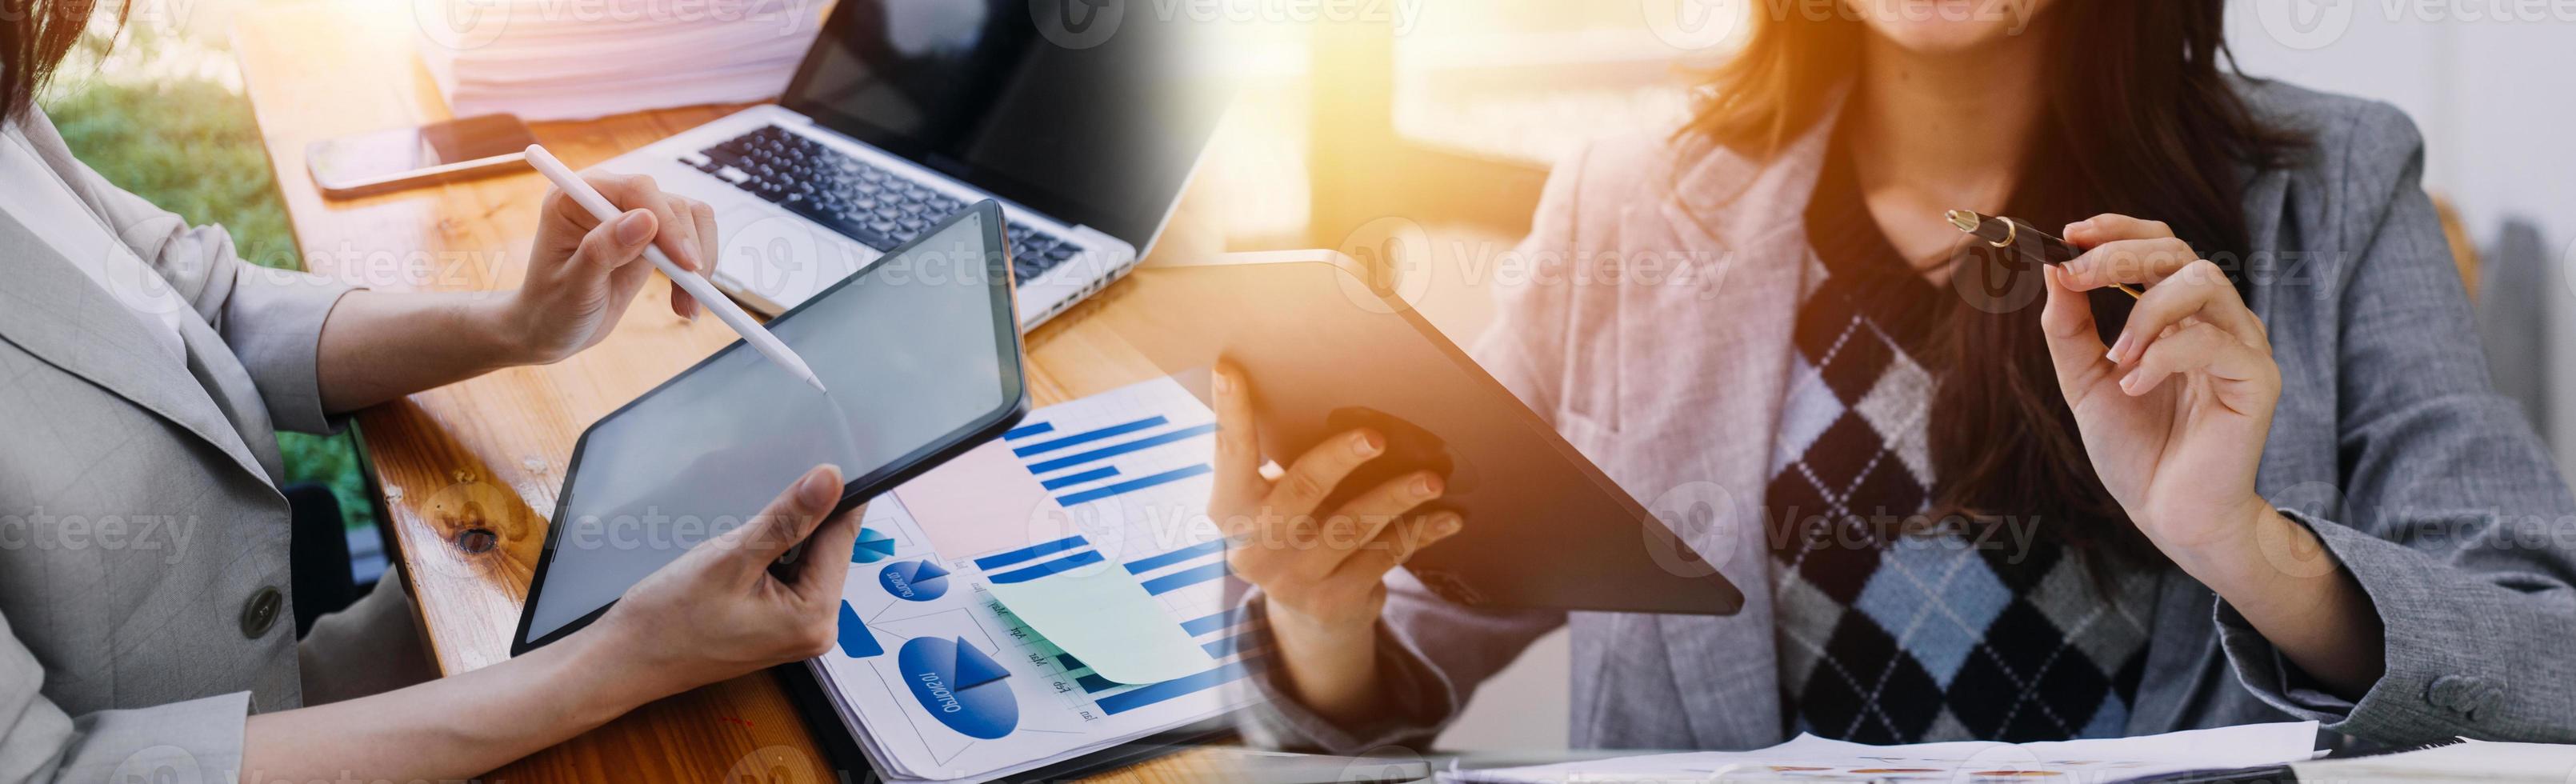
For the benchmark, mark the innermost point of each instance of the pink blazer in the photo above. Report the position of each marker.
(1651, 324)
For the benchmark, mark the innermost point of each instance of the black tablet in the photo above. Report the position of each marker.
(1328, 351)
(921, 352)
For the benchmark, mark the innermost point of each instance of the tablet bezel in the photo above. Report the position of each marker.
(1015, 406)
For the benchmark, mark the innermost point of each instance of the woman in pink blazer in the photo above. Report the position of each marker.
(1978, 499)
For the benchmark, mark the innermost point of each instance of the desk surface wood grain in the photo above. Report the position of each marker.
(469, 472)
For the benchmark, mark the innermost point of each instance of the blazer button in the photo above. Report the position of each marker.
(260, 612)
(2461, 694)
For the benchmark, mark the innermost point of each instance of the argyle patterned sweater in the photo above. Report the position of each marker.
(1890, 630)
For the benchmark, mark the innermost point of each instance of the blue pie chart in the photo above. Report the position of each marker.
(914, 581)
(874, 546)
(960, 686)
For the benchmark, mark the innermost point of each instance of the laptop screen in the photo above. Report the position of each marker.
(1083, 109)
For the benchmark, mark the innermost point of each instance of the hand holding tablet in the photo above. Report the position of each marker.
(717, 612)
(921, 352)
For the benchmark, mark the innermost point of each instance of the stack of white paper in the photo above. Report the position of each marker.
(578, 59)
(1057, 592)
(1812, 759)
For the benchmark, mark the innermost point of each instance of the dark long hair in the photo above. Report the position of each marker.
(2137, 87)
(34, 36)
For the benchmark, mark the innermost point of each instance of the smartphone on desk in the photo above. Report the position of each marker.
(397, 158)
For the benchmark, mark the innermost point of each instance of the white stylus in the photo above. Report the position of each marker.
(706, 294)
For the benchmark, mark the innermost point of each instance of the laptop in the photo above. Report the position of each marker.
(906, 111)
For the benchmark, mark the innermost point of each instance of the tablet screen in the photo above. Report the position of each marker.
(913, 349)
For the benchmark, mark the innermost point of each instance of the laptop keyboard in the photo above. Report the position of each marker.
(879, 208)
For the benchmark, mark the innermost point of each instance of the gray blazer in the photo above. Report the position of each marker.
(143, 540)
(2432, 490)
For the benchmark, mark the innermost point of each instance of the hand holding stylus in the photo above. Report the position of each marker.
(2175, 412)
(580, 191)
(583, 270)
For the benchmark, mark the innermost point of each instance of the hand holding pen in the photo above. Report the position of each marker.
(2174, 413)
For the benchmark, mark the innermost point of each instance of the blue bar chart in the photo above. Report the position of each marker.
(1084, 464)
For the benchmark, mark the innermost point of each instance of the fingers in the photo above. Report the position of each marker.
(703, 218)
(826, 559)
(2108, 226)
(559, 209)
(787, 520)
(1238, 445)
(679, 236)
(1382, 504)
(2241, 373)
(2074, 344)
(2200, 293)
(1396, 545)
(1317, 472)
(1329, 542)
(619, 242)
(2148, 261)
(680, 240)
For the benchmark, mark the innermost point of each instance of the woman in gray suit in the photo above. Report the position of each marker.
(144, 542)
(1966, 497)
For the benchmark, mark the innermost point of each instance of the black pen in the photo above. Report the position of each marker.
(2018, 234)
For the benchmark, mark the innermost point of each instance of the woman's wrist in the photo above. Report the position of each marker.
(1329, 667)
(502, 325)
(2267, 566)
(2278, 576)
(606, 674)
(2235, 558)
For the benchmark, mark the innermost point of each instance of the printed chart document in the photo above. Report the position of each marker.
(1056, 593)
(1810, 758)
(2467, 760)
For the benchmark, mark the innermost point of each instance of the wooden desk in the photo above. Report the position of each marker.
(469, 472)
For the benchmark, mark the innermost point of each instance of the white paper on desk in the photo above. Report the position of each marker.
(1810, 758)
(2468, 760)
(987, 502)
(982, 502)
(1138, 488)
